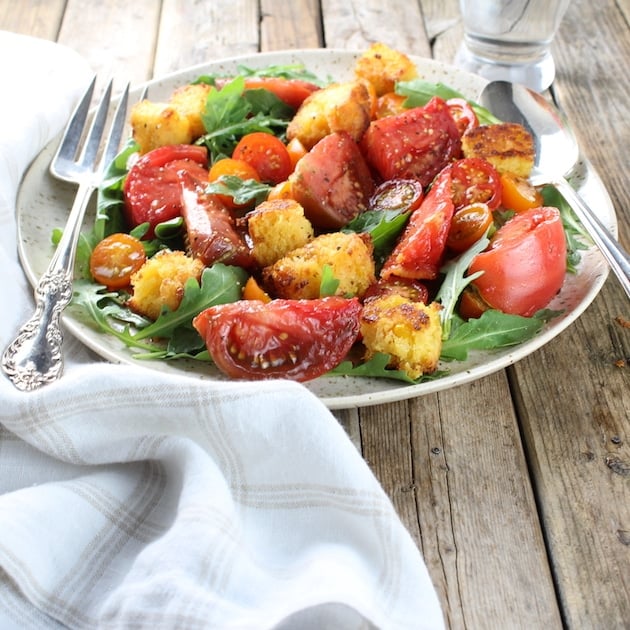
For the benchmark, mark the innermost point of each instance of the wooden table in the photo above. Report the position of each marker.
(516, 487)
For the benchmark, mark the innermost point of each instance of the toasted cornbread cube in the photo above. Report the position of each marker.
(160, 282)
(190, 101)
(155, 125)
(337, 107)
(509, 147)
(298, 275)
(276, 228)
(383, 66)
(410, 332)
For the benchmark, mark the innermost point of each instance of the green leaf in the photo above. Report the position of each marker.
(493, 330)
(241, 190)
(420, 92)
(329, 284)
(455, 281)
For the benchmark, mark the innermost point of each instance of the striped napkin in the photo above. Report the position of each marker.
(133, 499)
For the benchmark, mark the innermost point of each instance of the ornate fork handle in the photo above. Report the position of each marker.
(34, 357)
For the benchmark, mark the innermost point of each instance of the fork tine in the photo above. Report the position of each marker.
(93, 141)
(72, 136)
(117, 128)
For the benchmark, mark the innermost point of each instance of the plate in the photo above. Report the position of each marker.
(44, 203)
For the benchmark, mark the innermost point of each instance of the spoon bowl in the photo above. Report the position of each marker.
(557, 152)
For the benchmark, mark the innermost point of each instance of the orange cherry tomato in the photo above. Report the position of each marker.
(283, 190)
(253, 291)
(468, 225)
(267, 154)
(471, 304)
(115, 259)
(389, 104)
(296, 151)
(518, 194)
(237, 168)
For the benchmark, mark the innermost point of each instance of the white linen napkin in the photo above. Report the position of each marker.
(132, 499)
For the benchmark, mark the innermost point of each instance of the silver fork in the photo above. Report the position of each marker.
(34, 357)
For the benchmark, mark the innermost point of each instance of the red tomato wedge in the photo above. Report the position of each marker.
(212, 235)
(417, 143)
(152, 191)
(292, 91)
(525, 264)
(292, 339)
(332, 182)
(463, 114)
(418, 253)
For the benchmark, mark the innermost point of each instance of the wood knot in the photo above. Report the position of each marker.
(617, 465)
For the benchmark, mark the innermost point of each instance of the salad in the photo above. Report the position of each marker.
(279, 225)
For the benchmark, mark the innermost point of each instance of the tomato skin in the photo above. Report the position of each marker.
(266, 154)
(212, 235)
(468, 225)
(475, 180)
(151, 190)
(410, 289)
(115, 259)
(332, 182)
(518, 194)
(292, 339)
(463, 114)
(296, 151)
(418, 142)
(418, 253)
(525, 264)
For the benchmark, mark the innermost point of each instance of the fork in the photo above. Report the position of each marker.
(34, 358)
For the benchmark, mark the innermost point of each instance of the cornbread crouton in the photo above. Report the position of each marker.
(509, 147)
(383, 66)
(190, 101)
(299, 274)
(337, 107)
(160, 282)
(410, 332)
(155, 125)
(276, 228)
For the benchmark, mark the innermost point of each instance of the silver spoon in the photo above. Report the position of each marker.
(556, 154)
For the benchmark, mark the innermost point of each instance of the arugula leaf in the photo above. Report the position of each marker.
(241, 190)
(577, 238)
(493, 330)
(420, 92)
(281, 71)
(329, 284)
(383, 226)
(229, 115)
(455, 282)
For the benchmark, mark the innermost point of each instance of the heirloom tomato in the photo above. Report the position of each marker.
(292, 91)
(266, 154)
(152, 191)
(294, 339)
(525, 263)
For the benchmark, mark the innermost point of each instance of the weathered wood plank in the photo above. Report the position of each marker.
(39, 18)
(290, 25)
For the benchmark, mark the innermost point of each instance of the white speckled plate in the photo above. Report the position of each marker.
(44, 203)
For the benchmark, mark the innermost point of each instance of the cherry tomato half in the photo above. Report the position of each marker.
(152, 191)
(475, 180)
(294, 339)
(463, 114)
(401, 195)
(389, 104)
(115, 259)
(518, 194)
(468, 225)
(266, 154)
(525, 264)
(296, 151)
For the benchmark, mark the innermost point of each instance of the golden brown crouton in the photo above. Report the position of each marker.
(277, 227)
(190, 101)
(337, 107)
(383, 67)
(410, 332)
(160, 282)
(155, 125)
(299, 274)
(509, 147)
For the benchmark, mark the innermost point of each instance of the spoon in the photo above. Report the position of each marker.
(556, 154)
